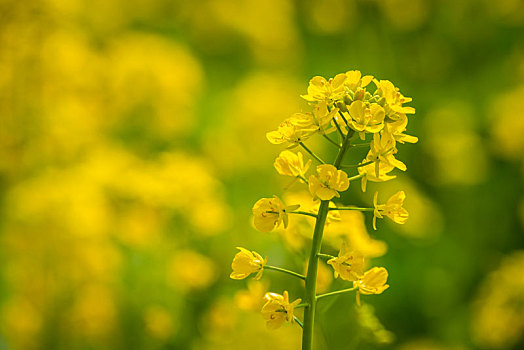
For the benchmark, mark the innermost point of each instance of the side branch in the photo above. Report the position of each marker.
(335, 293)
(292, 273)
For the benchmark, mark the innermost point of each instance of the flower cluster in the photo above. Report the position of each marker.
(349, 114)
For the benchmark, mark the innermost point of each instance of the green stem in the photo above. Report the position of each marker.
(330, 140)
(359, 165)
(303, 179)
(335, 293)
(353, 208)
(317, 158)
(298, 321)
(294, 212)
(366, 144)
(269, 267)
(312, 269)
(326, 256)
(343, 118)
(356, 177)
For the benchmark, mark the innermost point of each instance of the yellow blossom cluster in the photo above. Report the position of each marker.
(345, 112)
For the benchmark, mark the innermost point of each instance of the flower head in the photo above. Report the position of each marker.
(318, 121)
(392, 209)
(397, 128)
(372, 282)
(369, 172)
(366, 118)
(320, 89)
(349, 264)
(394, 99)
(270, 212)
(355, 81)
(288, 132)
(383, 150)
(278, 309)
(291, 164)
(328, 182)
(245, 263)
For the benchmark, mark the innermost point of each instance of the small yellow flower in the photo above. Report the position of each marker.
(287, 132)
(383, 150)
(291, 164)
(328, 182)
(393, 97)
(392, 209)
(278, 309)
(320, 89)
(366, 118)
(349, 264)
(246, 263)
(397, 128)
(355, 80)
(372, 282)
(369, 172)
(270, 212)
(318, 121)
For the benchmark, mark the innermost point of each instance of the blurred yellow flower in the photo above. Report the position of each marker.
(392, 209)
(251, 299)
(246, 263)
(278, 309)
(288, 132)
(270, 212)
(349, 264)
(366, 118)
(372, 282)
(189, 270)
(318, 121)
(328, 182)
(320, 89)
(291, 164)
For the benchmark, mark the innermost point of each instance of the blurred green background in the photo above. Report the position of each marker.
(132, 148)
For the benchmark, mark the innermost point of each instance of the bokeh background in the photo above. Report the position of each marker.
(132, 148)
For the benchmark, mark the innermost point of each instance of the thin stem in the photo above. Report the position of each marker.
(356, 177)
(303, 179)
(353, 208)
(335, 293)
(317, 158)
(294, 212)
(359, 165)
(343, 118)
(312, 269)
(269, 267)
(325, 256)
(330, 140)
(361, 144)
(338, 128)
(301, 305)
(299, 322)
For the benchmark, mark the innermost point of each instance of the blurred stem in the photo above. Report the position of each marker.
(295, 212)
(353, 208)
(312, 269)
(335, 293)
(358, 165)
(326, 256)
(298, 321)
(269, 267)
(356, 177)
(317, 158)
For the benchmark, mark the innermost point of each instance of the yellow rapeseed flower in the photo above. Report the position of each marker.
(318, 121)
(328, 182)
(320, 89)
(369, 172)
(291, 164)
(349, 264)
(278, 309)
(270, 212)
(355, 80)
(394, 99)
(383, 150)
(397, 128)
(392, 209)
(245, 263)
(372, 282)
(288, 132)
(366, 118)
